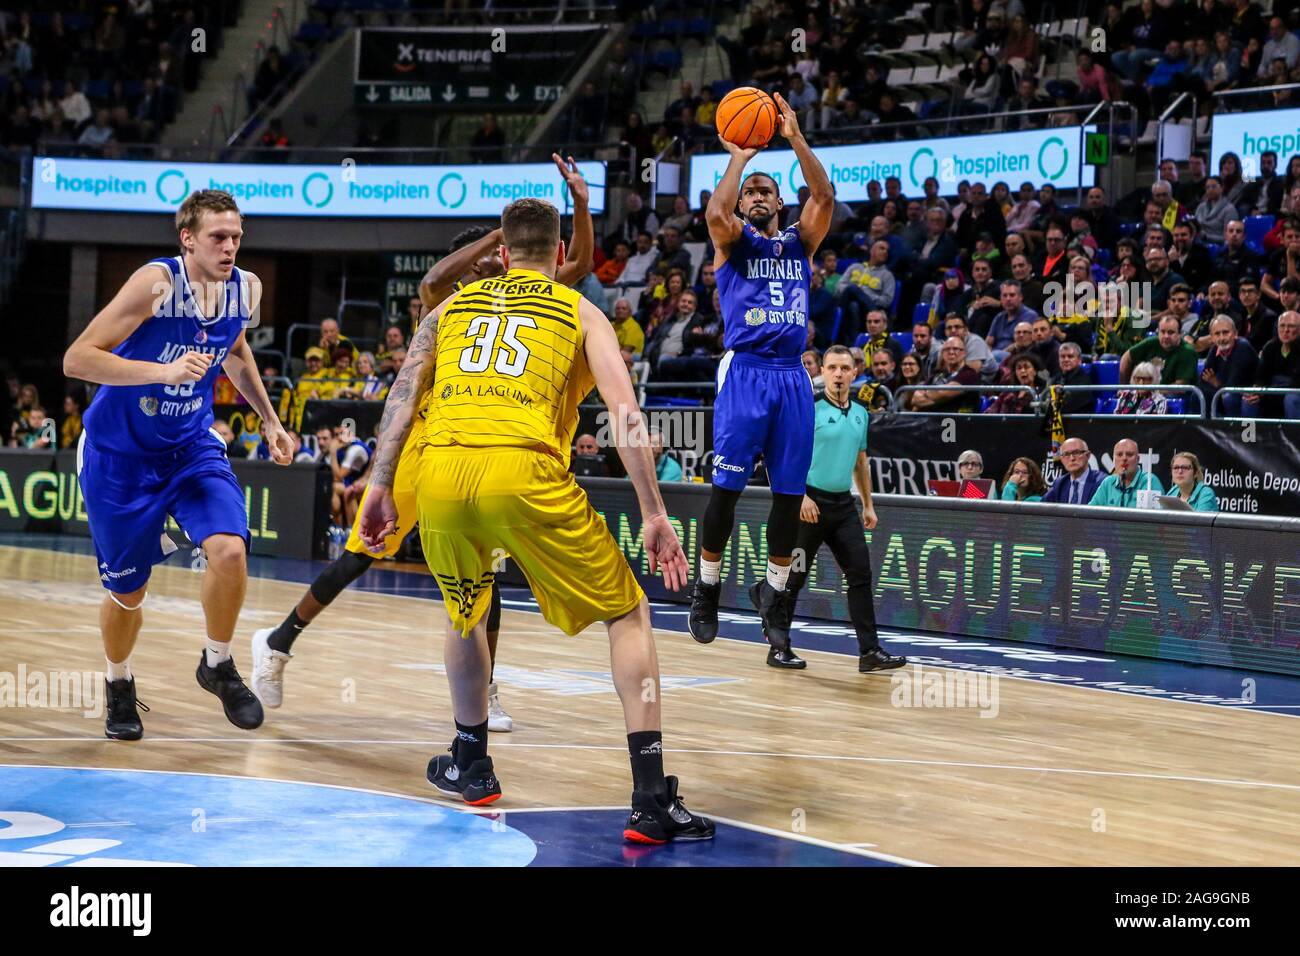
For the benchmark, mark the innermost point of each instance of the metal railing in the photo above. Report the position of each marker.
(1040, 397)
(1217, 401)
(977, 390)
(1117, 388)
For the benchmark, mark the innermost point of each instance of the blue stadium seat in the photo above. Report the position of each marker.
(699, 28)
(96, 89)
(1102, 258)
(843, 265)
(1174, 406)
(1200, 368)
(835, 326)
(312, 33)
(645, 30)
(669, 61)
(721, 88)
(1107, 405)
(1257, 227)
(921, 312)
(985, 402)
(1213, 248)
(861, 340)
(673, 27)
(1105, 373)
(904, 339)
(1128, 228)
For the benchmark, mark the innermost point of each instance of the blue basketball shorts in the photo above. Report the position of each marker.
(764, 405)
(128, 499)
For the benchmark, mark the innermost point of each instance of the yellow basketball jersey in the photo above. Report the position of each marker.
(510, 366)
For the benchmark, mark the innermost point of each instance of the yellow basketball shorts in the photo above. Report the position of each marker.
(478, 506)
(403, 496)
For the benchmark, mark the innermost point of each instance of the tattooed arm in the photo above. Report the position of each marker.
(379, 514)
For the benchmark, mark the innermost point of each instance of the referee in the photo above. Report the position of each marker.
(829, 513)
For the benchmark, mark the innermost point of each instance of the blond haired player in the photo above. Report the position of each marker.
(475, 255)
(507, 360)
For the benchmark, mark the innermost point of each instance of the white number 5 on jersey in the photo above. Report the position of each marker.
(776, 293)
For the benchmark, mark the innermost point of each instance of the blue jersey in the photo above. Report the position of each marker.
(763, 288)
(149, 419)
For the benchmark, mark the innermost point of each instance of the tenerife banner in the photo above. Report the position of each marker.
(342, 189)
(1251, 134)
(1038, 156)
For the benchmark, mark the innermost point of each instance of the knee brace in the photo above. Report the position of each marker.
(126, 607)
(341, 572)
(783, 524)
(719, 519)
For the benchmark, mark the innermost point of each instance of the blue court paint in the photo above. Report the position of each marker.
(56, 816)
(1161, 680)
(200, 820)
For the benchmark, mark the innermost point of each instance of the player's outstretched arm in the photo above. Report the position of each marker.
(578, 257)
(720, 214)
(379, 514)
(633, 443)
(815, 217)
(91, 357)
(440, 280)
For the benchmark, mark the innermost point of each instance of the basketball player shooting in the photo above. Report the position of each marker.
(765, 398)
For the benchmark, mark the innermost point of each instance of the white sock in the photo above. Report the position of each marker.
(710, 571)
(217, 651)
(120, 671)
(777, 576)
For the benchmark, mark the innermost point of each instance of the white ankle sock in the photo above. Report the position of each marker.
(217, 651)
(777, 575)
(710, 571)
(120, 671)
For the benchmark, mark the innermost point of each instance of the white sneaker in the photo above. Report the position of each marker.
(498, 720)
(268, 669)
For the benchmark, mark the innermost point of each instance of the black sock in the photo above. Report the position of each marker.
(646, 748)
(471, 744)
(282, 637)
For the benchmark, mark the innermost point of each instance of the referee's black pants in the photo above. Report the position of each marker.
(839, 526)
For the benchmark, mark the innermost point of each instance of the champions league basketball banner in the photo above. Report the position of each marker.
(1040, 156)
(288, 506)
(1175, 586)
(343, 189)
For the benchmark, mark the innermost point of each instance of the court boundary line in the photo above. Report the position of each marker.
(476, 811)
(848, 758)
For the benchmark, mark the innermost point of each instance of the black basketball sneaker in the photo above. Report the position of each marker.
(656, 820)
(477, 784)
(122, 722)
(242, 708)
(703, 620)
(774, 608)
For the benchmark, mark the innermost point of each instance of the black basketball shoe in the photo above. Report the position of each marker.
(703, 620)
(879, 659)
(242, 707)
(122, 722)
(477, 784)
(773, 607)
(785, 658)
(658, 819)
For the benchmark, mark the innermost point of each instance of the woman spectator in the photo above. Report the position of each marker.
(894, 216)
(1096, 83)
(1189, 483)
(909, 373)
(1001, 196)
(985, 87)
(1142, 402)
(662, 303)
(70, 430)
(681, 217)
(1023, 481)
(1023, 210)
(1020, 49)
(833, 97)
(1222, 68)
(1025, 369)
(373, 386)
(1075, 323)
(1230, 178)
(1115, 333)
(952, 294)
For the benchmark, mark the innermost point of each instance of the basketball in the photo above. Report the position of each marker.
(746, 117)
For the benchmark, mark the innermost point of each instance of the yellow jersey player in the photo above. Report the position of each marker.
(475, 255)
(507, 361)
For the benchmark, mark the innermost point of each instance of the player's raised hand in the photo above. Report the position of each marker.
(190, 367)
(789, 120)
(734, 150)
(378, 517)
(665, 552)
(577, 185)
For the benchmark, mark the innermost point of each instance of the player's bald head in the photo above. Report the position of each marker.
(531, 229)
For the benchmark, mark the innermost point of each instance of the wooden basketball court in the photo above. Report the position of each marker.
(1059, 775)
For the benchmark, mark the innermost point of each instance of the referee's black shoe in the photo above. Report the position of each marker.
(773, 607)
(703, 619)
(879, 659)
(785, 658)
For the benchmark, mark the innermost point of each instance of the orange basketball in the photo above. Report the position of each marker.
(746, 117)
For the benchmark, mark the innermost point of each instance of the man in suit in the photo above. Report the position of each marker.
(1080, 481)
